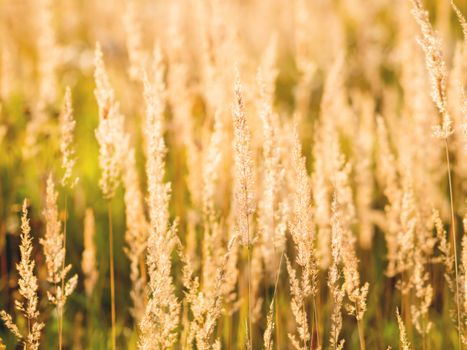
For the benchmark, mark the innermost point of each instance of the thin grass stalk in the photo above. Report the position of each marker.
(276, 284)
(405, 305)
(315, 312)
(277, 317)
(424, 342)
(454, 242)
(361, 333)
(29, 332)
(250, 340)
(313, 320)
(112, 276)
(60, 312)
(230, 331)
(89, 318)
(59, 329)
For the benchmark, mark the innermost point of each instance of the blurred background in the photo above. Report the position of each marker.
(46, 45)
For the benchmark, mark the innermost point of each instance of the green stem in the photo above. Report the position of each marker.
(62, 282)
(112, 277)
(454, 242)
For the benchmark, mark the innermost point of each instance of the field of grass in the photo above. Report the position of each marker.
(233, 174)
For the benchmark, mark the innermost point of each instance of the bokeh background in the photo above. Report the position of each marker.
(46, 45)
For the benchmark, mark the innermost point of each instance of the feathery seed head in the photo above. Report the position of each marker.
(436, 66)
(244, 195)
(110, 131)
(67, 127)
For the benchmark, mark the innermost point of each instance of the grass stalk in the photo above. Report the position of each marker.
(454, 241)
(276, 284)
(315, 312)
(112, 276)
(361, 335)
(250, 337)
(62, 282)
